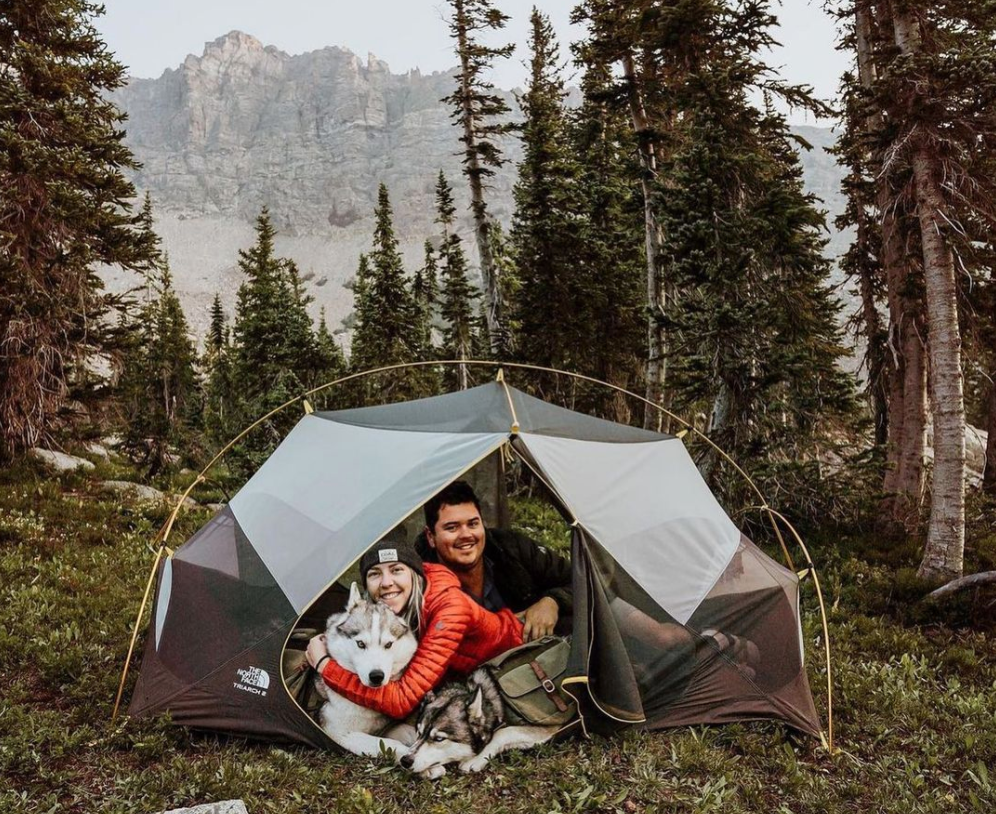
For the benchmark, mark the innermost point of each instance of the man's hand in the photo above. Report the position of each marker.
(539, 620)
(316, 649)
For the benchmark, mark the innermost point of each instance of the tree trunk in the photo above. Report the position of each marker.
(943, 558)
(899, 328)
(493, 310)
(909, 483)
(878, 367)
(989, 474)
(656, 336)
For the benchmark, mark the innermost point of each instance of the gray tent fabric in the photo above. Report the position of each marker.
(489, 408)
(678, 618)
(308, 517)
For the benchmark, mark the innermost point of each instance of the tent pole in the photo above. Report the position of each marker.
(134, 633)
(823, 618)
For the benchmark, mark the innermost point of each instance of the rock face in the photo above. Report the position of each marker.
(311, 137)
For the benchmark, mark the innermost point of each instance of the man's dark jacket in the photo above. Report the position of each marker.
(524, 571)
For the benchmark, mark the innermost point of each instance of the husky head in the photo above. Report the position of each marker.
(370, 640)
(456, 723)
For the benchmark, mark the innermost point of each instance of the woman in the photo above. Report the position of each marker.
(455, 633)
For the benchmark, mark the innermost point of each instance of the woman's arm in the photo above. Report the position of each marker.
(444, 631)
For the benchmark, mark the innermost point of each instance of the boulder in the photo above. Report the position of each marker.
(141, 493)
(224, 807)
(59, 461)
(98, 450)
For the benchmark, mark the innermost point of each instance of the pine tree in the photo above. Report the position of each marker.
(273, 352)
(330, 363)
(546, 223)
(387, 325)
(65, 207)
(751, 336)
(481, 114)
(216, 330)
(885, 258)
(931, 89)
(159, 382)
(456, 298)
(610, 323)
(424, 293)
(219, 391)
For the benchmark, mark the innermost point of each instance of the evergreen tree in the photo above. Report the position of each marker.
(65, 207)
(424, 293)
(365, 322)
(216, 330)
(219, 395)
(481, 114)
(387, 330)
(610, 323)
(457, 295)
(159, 382)
(330, 363)
(546, 223)
(273, 352)
(749, 318)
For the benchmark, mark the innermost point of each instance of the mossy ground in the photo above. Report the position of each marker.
(915, 703)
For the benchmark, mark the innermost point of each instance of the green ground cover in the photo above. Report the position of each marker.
(915, 700)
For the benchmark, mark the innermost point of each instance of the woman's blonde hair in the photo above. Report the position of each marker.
(412, 612)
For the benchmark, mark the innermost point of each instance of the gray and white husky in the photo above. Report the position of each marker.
(368, 639)
(464, 723)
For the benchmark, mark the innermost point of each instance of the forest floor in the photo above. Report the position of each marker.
(914, 705)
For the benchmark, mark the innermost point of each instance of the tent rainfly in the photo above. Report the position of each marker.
(650, 543)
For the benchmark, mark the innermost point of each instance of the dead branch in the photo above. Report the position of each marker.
(958, 585)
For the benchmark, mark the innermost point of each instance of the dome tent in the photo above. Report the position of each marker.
(649, 542)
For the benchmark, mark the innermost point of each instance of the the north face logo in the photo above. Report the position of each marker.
(254, 680)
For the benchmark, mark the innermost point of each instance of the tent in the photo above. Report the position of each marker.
(653, 554)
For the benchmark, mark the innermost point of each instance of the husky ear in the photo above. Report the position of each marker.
(475, 709)
(354, 597)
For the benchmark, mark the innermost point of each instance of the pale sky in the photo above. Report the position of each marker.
(150, 36)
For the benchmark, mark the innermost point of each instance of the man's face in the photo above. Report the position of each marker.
(458, 536)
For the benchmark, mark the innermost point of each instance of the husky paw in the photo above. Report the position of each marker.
(434, 772)
(475, 764)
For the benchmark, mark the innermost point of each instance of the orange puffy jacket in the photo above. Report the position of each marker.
(457, 634)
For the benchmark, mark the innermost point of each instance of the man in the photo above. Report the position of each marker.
(498, 568)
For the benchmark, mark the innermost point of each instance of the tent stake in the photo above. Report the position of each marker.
(134, 633)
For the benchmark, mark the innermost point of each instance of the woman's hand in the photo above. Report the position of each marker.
(316, 649)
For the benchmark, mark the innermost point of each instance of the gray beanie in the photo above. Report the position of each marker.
(391, 551)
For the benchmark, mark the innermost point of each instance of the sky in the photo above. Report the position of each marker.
(150, 36)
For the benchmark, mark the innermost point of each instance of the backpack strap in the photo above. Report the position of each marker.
(548, 686)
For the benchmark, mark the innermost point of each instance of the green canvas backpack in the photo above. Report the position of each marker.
(530, 678)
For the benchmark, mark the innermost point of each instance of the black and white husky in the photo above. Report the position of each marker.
(464, 723)
(368, 639)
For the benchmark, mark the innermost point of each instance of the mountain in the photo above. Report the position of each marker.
(310, 136)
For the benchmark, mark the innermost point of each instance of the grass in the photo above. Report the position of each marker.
(915, 700)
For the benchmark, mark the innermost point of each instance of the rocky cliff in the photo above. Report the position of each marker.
(309, 136)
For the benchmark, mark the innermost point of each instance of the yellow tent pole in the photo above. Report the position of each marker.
(823, 617)
(134, 633)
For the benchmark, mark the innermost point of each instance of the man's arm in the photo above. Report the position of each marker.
(551, 572)
(551, 576)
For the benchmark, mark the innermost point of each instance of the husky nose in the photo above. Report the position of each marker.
(407, 761)
(376, 677)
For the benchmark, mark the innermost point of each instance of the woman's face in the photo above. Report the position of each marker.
(390, 583)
